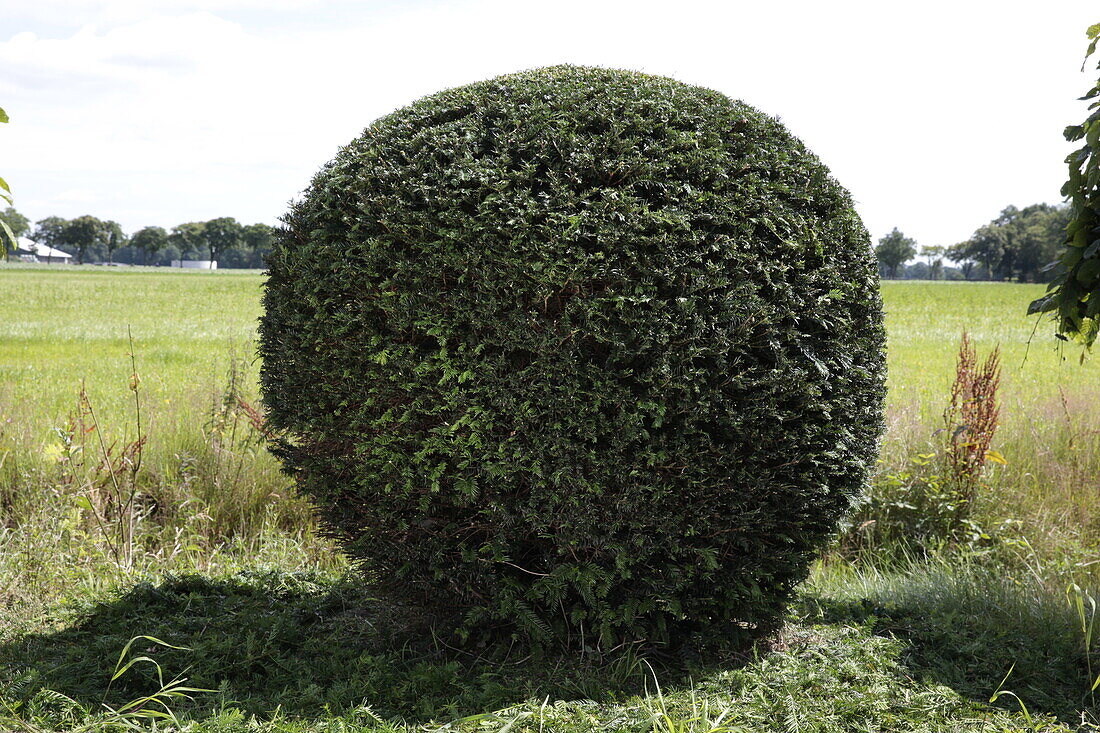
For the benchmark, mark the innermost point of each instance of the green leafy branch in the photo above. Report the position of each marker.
(5, 192)
(1073, 296)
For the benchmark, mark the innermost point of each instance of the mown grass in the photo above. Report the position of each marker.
(225, 560)
(308, 650)
(282, 650)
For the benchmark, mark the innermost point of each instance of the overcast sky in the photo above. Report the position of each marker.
(935, 115)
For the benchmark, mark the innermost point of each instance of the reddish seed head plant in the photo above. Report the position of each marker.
(972, 417)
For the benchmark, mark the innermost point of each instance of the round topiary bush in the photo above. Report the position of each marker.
(583, 354)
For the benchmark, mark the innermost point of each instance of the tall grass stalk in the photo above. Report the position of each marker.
(1084, 604)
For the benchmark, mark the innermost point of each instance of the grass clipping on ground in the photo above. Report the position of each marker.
(287, 651)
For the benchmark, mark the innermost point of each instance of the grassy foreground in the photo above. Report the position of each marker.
(215, 572)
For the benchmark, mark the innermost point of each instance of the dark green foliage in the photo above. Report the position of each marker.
(584, 354)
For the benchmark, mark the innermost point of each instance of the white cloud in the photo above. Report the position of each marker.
(109, 13)
(77, 196)
(935, 115)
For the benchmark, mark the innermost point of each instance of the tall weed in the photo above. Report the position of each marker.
(930, 502)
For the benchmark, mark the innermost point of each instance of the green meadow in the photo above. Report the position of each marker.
(66, 326)
(75, 325)
(213, 567)
(925, 319)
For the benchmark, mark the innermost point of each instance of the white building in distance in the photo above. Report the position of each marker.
(196, 264)
(31, 251)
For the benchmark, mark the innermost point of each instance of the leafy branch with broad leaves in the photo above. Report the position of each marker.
(5, 192)
(1073, 297)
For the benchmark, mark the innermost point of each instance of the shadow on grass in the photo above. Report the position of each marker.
(966, 628)
(295, 641)
(313, 648)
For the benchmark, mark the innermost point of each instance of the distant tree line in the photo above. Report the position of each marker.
(1017, 245)
(92, 240)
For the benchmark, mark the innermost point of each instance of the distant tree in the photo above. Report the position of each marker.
(952, 273)
(1037, 233)
(149, 241)
(234, 257)
(222, 234)
(916, 270)
(959, 254)
(934, 255)
(1017, 243)
(986, 246)
(1004, 229)
(894, 250)
(189, 238)
(115, 239)
(85, 233)
(19, 225)
(1074, 294)
(168, 254)
(259, 238)
(48, 231)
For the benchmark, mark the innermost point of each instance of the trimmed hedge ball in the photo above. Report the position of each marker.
(577, 355)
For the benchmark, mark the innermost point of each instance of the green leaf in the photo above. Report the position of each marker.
(1041, 305)
(1087, 272)
(10, 235)
(120, 668)
(1093, 33)
(1071, 256)
(3, 115)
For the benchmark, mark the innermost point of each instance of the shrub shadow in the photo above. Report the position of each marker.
(968, 630)
(300, 643)
(313, 648)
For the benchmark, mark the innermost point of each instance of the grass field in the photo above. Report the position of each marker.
(72, 325)
(217, 554)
